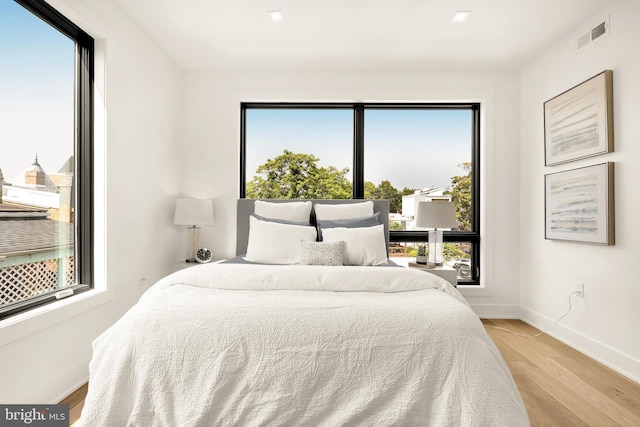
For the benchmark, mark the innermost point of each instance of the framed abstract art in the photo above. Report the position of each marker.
(579, 205)
(579, 122)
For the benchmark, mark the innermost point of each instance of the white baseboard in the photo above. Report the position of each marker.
(497, 311)
(612, 358)
(59, 386)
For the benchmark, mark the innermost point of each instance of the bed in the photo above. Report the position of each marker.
(285, 334)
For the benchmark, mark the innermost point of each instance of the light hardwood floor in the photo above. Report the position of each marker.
(559, 385)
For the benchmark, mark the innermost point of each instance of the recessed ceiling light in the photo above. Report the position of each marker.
(276, 15)
(460, 16)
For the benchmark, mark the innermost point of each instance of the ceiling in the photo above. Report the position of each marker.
(358, 34)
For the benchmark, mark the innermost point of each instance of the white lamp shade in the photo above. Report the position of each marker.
(436, 215)
(193, 212)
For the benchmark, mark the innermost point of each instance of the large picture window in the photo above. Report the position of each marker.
(46, 121)
(403, 152)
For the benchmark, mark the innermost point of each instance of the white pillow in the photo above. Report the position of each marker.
(289, 211)
(276, 243)
(362, 246)
(343, 211)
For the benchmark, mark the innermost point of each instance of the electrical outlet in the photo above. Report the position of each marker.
(579, 290)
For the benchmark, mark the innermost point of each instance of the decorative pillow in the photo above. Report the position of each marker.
(343, 211)
(288, 211)
(366, 221)
(276, 243)
(363, 245)
(322, 253)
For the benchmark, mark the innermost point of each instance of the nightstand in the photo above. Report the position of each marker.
(449, 274)
(182, 265)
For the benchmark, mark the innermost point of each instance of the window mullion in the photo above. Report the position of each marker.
(358, 151)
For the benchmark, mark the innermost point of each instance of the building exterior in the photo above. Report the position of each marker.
(37, 235)
(410, 204)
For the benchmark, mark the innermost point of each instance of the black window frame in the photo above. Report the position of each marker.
(472, 237)
(83, 154)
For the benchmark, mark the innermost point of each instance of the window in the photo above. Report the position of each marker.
(46, 131)
(402, 152)
(309, 149)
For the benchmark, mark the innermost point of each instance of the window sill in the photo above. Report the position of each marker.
(40, 318)
(474, 291)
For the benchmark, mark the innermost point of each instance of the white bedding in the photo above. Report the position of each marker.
(251, 345)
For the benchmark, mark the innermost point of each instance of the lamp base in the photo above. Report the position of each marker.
(193, 240)
(435, 247)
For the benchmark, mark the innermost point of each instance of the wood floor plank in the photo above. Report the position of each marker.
(76, 397)
(622, 390)
(543, 408)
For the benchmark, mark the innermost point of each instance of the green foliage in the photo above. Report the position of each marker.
(451, 251)
(461, 196)
(297, 176)
(369, 189)
(385, 191)
(395, 226)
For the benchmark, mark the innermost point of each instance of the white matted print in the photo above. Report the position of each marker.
(579, 122)
(579, 205)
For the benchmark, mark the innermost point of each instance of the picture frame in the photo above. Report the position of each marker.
(578, 123)
(579, 205)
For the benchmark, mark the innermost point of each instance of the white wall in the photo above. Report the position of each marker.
(44, 357)
(211, 138)
(604, 324)
(169, 132)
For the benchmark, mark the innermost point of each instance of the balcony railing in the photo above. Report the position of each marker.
(26, 277)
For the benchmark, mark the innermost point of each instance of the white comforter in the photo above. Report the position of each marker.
(249, 345)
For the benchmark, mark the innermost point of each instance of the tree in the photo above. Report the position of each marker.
(369, 189)
(461, 196)
(452, 251)
(386, 191)
(330, 183)
(297, 176)
(407, 191)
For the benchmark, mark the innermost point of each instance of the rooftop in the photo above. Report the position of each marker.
(26, 229)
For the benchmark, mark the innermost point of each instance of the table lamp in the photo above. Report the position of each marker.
(436, 215)
(194, 213)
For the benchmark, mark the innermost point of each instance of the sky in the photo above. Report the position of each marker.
(410, 148)
(36, 92)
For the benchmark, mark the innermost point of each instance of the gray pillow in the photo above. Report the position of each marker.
(366, 221)
(279, 221)
(322, 253)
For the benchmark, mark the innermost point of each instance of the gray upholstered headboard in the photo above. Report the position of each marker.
(245, 209)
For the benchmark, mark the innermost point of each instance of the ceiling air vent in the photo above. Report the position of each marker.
(598, 31)
(590, 36)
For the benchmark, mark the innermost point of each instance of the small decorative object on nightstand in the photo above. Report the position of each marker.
(203, 255)
(421, 257)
